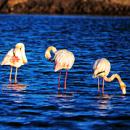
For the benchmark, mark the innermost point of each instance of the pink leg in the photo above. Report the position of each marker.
(65, 79)
(103, 86)
(98, 85)
(59, 80)
(10, 76)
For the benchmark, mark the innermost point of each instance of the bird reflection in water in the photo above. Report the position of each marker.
(14, 91)
(64, 94)
(17, 87)
(104, 104)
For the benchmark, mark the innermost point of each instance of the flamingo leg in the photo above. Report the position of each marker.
(10, 76)
(59, 80)
(98, 85)
(16, 75)
(65, 79)
(103, 85)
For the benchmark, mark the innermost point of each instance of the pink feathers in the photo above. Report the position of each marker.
(64, 59)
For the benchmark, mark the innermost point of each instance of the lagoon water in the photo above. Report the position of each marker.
(35, 103)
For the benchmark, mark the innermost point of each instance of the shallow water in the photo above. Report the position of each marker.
(35, 103)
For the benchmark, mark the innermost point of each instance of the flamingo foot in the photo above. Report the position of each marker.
(15, 82)
(10, 80)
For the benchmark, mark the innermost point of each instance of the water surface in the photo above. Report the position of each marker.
(35, 103)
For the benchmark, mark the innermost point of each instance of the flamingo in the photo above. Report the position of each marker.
(101, 69)
(63, 59)
(15, 57)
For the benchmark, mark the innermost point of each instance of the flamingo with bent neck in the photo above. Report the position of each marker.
(101, 69)
(63, 59)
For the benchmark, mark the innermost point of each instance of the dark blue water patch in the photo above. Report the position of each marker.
(35, 102)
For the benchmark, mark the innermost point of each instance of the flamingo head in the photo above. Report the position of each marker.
(47, 55)
(48, 52)
(19, 46)
(123, 87)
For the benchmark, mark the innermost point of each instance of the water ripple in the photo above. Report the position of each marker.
(35, 103)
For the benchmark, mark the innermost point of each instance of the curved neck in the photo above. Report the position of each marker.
(114, 76)
(24, 55)
(48, 52)
(121, 83)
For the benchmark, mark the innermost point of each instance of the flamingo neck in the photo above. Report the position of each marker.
(24, 55)
(48, 52)
(114, 76)
(121, 83)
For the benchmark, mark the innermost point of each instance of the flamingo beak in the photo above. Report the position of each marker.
(123, 88)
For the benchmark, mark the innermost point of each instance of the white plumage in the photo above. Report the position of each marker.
(63, 59)
(101, 69)
(15, 57)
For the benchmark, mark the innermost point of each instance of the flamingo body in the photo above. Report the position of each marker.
(63, 59)
(15, 57)
(101, 69)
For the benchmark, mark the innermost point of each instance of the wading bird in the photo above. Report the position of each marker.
(101, 69)
(15, 57)
(63, 59)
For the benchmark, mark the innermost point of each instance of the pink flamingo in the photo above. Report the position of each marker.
(101, 69)
(63, 59)
(15, 57)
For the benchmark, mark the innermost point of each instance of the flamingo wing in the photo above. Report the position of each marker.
(8, 57)
(101, 67)
(64, 60)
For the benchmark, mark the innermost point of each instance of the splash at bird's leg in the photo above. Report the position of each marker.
(65, 79)
(10, 76)
(59, 79)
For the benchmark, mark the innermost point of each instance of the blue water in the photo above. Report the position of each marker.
(35, 102)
